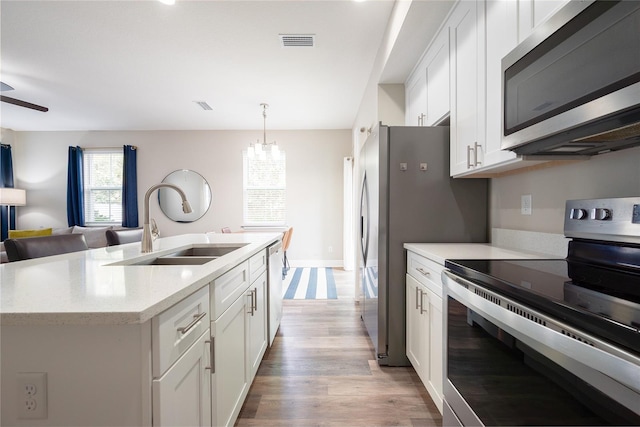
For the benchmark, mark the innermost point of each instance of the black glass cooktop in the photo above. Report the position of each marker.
(600, 300)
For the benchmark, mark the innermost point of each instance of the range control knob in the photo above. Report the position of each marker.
(577, 213)
(601, 214)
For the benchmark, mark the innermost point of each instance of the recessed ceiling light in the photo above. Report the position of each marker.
(169, 2)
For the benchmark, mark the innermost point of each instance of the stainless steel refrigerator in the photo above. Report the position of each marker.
(406, 195)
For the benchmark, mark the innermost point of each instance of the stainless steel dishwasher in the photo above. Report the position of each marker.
(275, 288)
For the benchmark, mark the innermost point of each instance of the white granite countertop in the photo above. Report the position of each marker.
(82, 288)
(439, 252)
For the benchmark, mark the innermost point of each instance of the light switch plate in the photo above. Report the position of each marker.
(525, 205)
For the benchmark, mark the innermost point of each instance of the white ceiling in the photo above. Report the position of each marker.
(140, 64)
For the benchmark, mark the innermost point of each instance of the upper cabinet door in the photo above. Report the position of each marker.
(467, 112)
(416, 98)
(532, 13)
(501, 36)
(427, 88)
(437, 77)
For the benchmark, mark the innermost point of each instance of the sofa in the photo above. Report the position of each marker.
(95, 236)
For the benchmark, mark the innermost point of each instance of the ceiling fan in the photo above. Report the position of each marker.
(5, 87)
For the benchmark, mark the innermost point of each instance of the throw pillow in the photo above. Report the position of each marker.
(65, 230)
(18, 234)
(95, 236)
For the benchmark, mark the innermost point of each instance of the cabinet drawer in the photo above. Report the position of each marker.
(425, 271)
(228, 287)
(257, 264)
(175, 329)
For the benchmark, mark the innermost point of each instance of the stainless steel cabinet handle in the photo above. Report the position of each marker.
(212, 354)
(423, 271)
(250, 302)
(196, 318)
(422, 309)
(417, 297)
(476, 148)
(253, 294)
(469, 165)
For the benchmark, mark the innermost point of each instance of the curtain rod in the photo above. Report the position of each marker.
(105, 148)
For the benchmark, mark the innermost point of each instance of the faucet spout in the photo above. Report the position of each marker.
(147, 241)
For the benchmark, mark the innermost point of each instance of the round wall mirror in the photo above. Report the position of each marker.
(196, 189)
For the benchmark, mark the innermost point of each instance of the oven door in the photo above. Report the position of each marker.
(507, 364)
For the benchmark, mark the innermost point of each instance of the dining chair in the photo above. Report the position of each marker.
(286, 240)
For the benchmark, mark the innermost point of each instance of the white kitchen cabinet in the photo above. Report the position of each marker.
(257, 321)
(182, 396)
(181, 349)
(231, 377)
(417, 328)
(532, 13)
(425, 337)
(416, 97)
(239, 332)
(435, 377)
(501, 36)
(427, 88)
(476, 145)
(467, 84)
(438, 78)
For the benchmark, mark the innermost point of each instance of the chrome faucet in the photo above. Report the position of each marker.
(147, 241)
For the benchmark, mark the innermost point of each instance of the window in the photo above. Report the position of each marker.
(102, 174)
(264, 189)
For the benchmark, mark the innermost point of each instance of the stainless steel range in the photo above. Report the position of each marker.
(549, 342)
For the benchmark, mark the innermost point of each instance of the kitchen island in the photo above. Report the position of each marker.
(117, 340)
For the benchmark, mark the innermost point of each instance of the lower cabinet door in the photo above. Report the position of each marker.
(417, 327)
(258, 334)
(231, 377)
(182, 396)
(436, 354)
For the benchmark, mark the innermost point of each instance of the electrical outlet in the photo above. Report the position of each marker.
(525, 205)
(32, 395)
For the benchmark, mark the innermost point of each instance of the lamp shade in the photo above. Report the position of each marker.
(13, 197)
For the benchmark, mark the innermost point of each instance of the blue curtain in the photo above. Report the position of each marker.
(75, 199)
(7, 213)
(130, 188)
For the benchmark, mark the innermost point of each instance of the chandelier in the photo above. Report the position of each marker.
(260, 149)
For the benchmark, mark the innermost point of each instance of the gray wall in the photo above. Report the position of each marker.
(615, 174)
(314, 179)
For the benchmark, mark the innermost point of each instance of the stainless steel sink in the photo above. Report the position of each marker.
(175, 260)
(196, 255)
(208, 251)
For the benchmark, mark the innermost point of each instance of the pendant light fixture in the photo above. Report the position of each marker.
(260, 149)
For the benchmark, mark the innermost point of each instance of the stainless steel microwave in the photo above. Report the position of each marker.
(573, 87)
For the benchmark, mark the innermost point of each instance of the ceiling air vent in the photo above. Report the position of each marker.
(204, 105)
(297, 40)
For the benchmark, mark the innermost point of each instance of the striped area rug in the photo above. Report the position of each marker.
(310, 283)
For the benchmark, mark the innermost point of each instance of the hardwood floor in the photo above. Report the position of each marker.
(321, 371)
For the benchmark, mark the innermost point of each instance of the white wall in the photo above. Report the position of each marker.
(314, 179)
